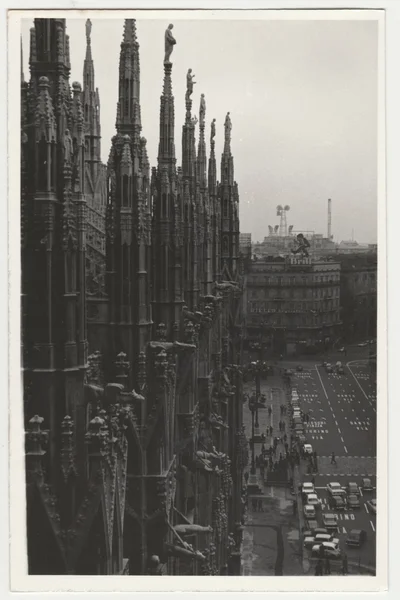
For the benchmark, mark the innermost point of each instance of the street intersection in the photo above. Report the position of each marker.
(342, 419)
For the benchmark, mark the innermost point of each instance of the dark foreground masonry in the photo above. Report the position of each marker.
(133, 411)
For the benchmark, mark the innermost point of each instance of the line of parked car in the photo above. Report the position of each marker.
(340, 498)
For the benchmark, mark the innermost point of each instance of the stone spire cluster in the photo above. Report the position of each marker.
(146, 444)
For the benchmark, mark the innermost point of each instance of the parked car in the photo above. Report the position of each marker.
(352, 488)
(308, 449)
(372, 506)
(337, 502)
(309, 511)
(312, 526)
(313, 500)
(356, 537)
(366, 485)
(307, 487)
(309, 542)
(329, 368)
(353, 501)
(340, 370)
(330, 550)
(330, 521)
(335, 488)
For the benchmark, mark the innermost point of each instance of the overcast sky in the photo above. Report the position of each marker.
(303, 102)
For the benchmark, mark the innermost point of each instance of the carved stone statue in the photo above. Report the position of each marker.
(68, 146)
(189, 84)
(194, 120)
(228, 127)
(88, 30)
(213, 129)
(170, 42)
(202, 108)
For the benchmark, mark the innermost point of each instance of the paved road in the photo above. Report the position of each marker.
(342, 409)
(360, 518)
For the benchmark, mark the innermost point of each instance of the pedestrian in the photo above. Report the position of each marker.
(333, 459)
(285, 438)
(313, 480)
(294, 507)
(286, 447)
(282, 409)
(345, 566)
(246, 476)
(271, 429)
(327, 566)
(269, 411)
(283, 425)
(254, 504)
(260, 505)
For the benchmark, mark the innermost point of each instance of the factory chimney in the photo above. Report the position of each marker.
(329, 219)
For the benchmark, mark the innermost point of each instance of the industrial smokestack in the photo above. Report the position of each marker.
(329, 219)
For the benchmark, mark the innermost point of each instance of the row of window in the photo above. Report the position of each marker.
(294, 280)
(261, 307)
(294, 321)
(299, 293)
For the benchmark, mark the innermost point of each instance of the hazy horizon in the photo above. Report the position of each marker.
(303, 102)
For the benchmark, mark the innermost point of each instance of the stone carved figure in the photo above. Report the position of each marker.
(228, 127)
(170, 42)
(212, 130)
(194, 120)
(88, 29)
(189, 84)
(202, 109)
(68, 146)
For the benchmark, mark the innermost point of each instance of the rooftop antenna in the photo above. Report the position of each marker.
(281, 212)
(329, 219)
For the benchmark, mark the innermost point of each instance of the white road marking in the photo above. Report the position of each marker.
(372, 525)
(366, 508)
(345, 449)
(361, 494)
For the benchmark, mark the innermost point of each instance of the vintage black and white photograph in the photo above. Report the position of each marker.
(199, 204)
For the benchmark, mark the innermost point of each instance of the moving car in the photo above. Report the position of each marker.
(353, 501)
(330, 521)
(366, 485)
(335, 488)
(356, 537)
(308, 448)
(313, 500)
(326, 537)
(307, 488)
(329, 549)
(309, 511)
(337, 502)
(372, 506)
(362, 344)
(352, 488)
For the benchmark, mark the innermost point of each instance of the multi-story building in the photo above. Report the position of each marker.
(358, 293)
(292, 304)
(142, 471)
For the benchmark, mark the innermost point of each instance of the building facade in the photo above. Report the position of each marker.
(292, 304)
(358, 296)
(133, 404)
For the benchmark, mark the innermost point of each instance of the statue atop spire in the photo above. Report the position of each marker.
(189, 84)
(228, 129)
(170, 42)
(88, 31)
(202, 112)
(212, 136)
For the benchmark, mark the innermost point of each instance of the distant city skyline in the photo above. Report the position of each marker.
(303, 102)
